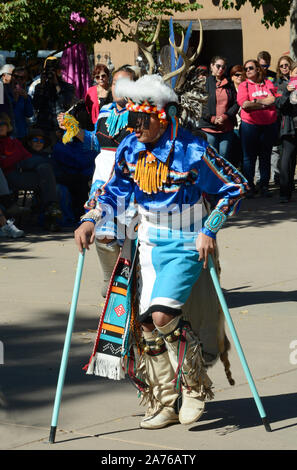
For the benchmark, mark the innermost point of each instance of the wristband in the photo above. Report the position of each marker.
(88, 220)
(94, 215)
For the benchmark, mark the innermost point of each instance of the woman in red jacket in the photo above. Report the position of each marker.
(24, 171)
(99, 94)
(219, 112)
(256, 97)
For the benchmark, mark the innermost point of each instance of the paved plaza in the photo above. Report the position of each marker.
(258, 253)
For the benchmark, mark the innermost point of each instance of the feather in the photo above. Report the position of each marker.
(192, 97)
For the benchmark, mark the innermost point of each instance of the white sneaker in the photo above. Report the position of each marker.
(9, 230)
(163, 417)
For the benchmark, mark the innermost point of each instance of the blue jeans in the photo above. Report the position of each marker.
(221, 142)
(257, 141)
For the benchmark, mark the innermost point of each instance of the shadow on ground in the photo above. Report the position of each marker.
(228, 416)
(20, 248)
(32, 361)
(33, 352)
(32, 357)
(260, 212)
(231, 415)
(239, 298)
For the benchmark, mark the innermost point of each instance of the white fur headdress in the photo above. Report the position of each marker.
(147, 89)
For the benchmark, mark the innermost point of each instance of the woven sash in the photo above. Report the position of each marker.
(111, 344)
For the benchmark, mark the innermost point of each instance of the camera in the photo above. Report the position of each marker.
(50, 70)
(50, 73)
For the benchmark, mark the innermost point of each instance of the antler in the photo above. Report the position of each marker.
(187, 61)
(148, 50)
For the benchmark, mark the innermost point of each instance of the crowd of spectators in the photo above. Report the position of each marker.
(33, 159)
(250, 117)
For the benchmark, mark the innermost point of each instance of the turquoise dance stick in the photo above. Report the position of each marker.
(66, 348)
(237, 343)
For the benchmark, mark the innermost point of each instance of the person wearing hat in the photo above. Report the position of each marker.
(6, 73)
(5, 79)
(25, 172)
(37, 141)
(169, 170)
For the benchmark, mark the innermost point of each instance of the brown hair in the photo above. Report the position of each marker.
(265, 56)
(98, 68)
(278, 70)
(261, 72)
(217, 57)
(18, 70)
(127, 69)
(235, 69)
(293, 66)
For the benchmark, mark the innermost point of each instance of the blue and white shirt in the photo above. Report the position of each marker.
(195, 170)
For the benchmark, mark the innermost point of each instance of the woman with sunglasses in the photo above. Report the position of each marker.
(99, 94)
(283, 71)
(281, 81)
(259, 130)
(219, 113)
(287, 105)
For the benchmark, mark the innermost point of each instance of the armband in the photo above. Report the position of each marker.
(88, 220)
(215, 221)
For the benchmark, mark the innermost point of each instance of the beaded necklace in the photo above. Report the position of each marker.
(117, 120)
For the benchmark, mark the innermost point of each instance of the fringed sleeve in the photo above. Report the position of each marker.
(220, 178)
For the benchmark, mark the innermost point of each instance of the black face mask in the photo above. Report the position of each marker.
(138, 120)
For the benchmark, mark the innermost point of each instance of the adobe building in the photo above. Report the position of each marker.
(236, 35)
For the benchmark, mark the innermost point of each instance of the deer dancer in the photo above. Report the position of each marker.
(168, 170)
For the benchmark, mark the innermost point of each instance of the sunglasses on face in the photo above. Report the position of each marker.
(19, 77)
(249, 68)
(219, 66)
(138, 120)
(264, 66)
(284, 66)
(3, 123)
(238, 74)
(36, 139)
(100, 76)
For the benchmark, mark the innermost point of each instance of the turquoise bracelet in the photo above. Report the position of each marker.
(215, 221)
